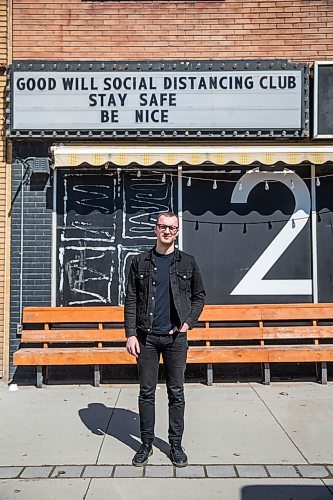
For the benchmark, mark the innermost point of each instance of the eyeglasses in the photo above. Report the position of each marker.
(163, 227)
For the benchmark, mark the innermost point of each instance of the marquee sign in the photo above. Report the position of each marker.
(158, 99)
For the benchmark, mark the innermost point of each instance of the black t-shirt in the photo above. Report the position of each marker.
(163, 320)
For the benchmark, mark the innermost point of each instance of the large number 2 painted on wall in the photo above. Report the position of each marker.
(253, 282)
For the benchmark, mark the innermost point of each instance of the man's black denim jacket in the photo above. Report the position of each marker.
(186, 286)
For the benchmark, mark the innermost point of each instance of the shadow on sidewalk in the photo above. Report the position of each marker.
(286, 492)
(120, 423)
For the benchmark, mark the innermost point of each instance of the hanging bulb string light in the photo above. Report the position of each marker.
(216, 181)
(269, 223)
(284, 172)
(190, 178)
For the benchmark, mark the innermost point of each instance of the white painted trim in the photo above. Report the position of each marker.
(54, 243)
(315, 101)
(124, 149)
(314, 235)
(180, 207)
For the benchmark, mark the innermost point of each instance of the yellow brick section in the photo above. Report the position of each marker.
(3, 62)
(301, 30)
(3, 32)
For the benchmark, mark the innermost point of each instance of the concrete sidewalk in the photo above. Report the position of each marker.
(245, 441)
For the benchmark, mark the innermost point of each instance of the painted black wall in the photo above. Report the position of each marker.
(229, 238)
(104, 218)
(324, 194)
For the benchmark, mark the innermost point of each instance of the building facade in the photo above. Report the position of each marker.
(4, 183)
(122, 109)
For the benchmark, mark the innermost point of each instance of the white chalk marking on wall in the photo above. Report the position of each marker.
(77, 269)
(86, 227)
(151, 196)
(93, 196)
(148, 200)
(61, 265)
(65, 200)
(124, 253)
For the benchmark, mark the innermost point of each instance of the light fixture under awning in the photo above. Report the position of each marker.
(146, 156)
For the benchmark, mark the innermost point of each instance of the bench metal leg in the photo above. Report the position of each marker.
(45, 374)
(39, 373)
(209, 374)
(267, 374)
(324, 372)
(97, 375)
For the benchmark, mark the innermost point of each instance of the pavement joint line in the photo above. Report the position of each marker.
(86, 493)
(52, 470)
(18, 476)
(82, 471)
(326, 486)
(107, 426)
(203, 466)
(267, 471)
(113, 471)
(277, 421)
(298, 471)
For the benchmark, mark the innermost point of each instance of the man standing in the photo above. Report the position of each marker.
(164, 298)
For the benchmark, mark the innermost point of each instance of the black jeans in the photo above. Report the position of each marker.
(174, 350)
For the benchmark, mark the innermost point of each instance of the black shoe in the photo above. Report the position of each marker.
(178, 456)
(141, 457)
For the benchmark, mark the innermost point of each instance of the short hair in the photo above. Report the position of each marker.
(166, 214)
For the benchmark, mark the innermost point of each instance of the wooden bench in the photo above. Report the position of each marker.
(269, 333)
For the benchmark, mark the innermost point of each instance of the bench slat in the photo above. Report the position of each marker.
(73, 356)
(267, 312)
(211, 354)
(111, 314)
(257, 333)
(260, 354)
(73, 335)
(232, 333)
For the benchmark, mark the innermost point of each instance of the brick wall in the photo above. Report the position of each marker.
(37, 237)
(301, 30)
(3, 62)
